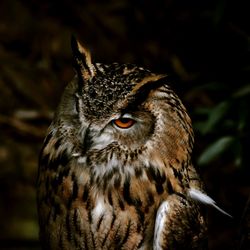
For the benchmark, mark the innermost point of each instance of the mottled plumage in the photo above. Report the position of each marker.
(103, 186)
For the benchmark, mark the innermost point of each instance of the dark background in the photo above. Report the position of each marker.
(202, 45)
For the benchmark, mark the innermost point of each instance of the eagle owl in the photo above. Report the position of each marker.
(115, 170)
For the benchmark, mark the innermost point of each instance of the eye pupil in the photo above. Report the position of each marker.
(124, 120)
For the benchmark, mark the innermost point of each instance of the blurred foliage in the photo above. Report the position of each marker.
(202, 45)
(228, 122)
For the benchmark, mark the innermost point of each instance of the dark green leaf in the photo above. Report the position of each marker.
(215, 116)
(215, 149)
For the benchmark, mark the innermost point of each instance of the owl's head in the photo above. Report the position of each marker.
(123, 108)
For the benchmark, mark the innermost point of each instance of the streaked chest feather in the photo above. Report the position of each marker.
(115, 209)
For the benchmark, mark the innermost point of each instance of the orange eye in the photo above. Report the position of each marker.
(124, 122)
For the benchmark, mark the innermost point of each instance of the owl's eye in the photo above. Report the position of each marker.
(124, 122)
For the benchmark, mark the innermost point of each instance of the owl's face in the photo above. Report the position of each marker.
(108, 112)
(123, 112)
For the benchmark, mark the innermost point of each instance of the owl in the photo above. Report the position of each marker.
(115, 170)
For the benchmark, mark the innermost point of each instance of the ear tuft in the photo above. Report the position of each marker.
(153, 79)
(141, 89)
(82, 60)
